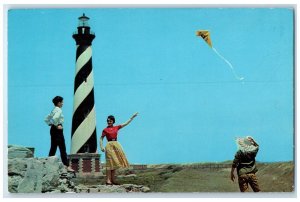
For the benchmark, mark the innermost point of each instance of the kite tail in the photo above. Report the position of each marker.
(230, 65)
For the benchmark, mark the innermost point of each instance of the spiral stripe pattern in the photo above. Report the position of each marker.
(84, 116)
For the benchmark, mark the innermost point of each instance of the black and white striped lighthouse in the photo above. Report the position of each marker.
(83, 157)
(84, 138)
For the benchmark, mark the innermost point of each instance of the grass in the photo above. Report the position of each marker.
(199, 180)
(273, 177)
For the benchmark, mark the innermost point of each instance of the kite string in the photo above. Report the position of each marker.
(230, 65)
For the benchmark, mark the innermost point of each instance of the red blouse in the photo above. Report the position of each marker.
(111, 132)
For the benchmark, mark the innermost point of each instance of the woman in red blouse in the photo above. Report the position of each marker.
(114, 154)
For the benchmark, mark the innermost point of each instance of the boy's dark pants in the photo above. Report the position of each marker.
(57, 139)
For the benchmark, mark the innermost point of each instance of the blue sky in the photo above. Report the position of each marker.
(190, 105)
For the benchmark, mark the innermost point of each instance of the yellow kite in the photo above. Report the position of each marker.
(205, 35)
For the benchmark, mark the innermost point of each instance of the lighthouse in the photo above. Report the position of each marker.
(84, 138)
(84, 158)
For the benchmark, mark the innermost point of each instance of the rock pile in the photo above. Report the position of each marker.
(111, 189)
(33, 175)
(48, 175)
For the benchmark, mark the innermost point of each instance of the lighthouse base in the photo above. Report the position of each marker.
(86, 165)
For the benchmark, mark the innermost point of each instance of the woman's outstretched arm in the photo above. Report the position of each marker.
(127, 122)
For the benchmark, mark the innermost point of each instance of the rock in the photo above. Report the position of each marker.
(130, 176)
(38, 175)
(32, 181)
(135, 188)
(81, 189)
(54, 192)
(48, 175)
(16, 167)
(145, 189)
(13, 183)
(15, 151)
(111, 189)
(42, 175)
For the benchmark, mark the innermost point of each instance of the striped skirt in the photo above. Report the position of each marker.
(115, 156)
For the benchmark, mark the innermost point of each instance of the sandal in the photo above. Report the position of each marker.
(69, 169)
(107, 183)
(116, 183)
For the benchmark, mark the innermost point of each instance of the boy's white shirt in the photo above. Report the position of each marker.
(55, 117)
